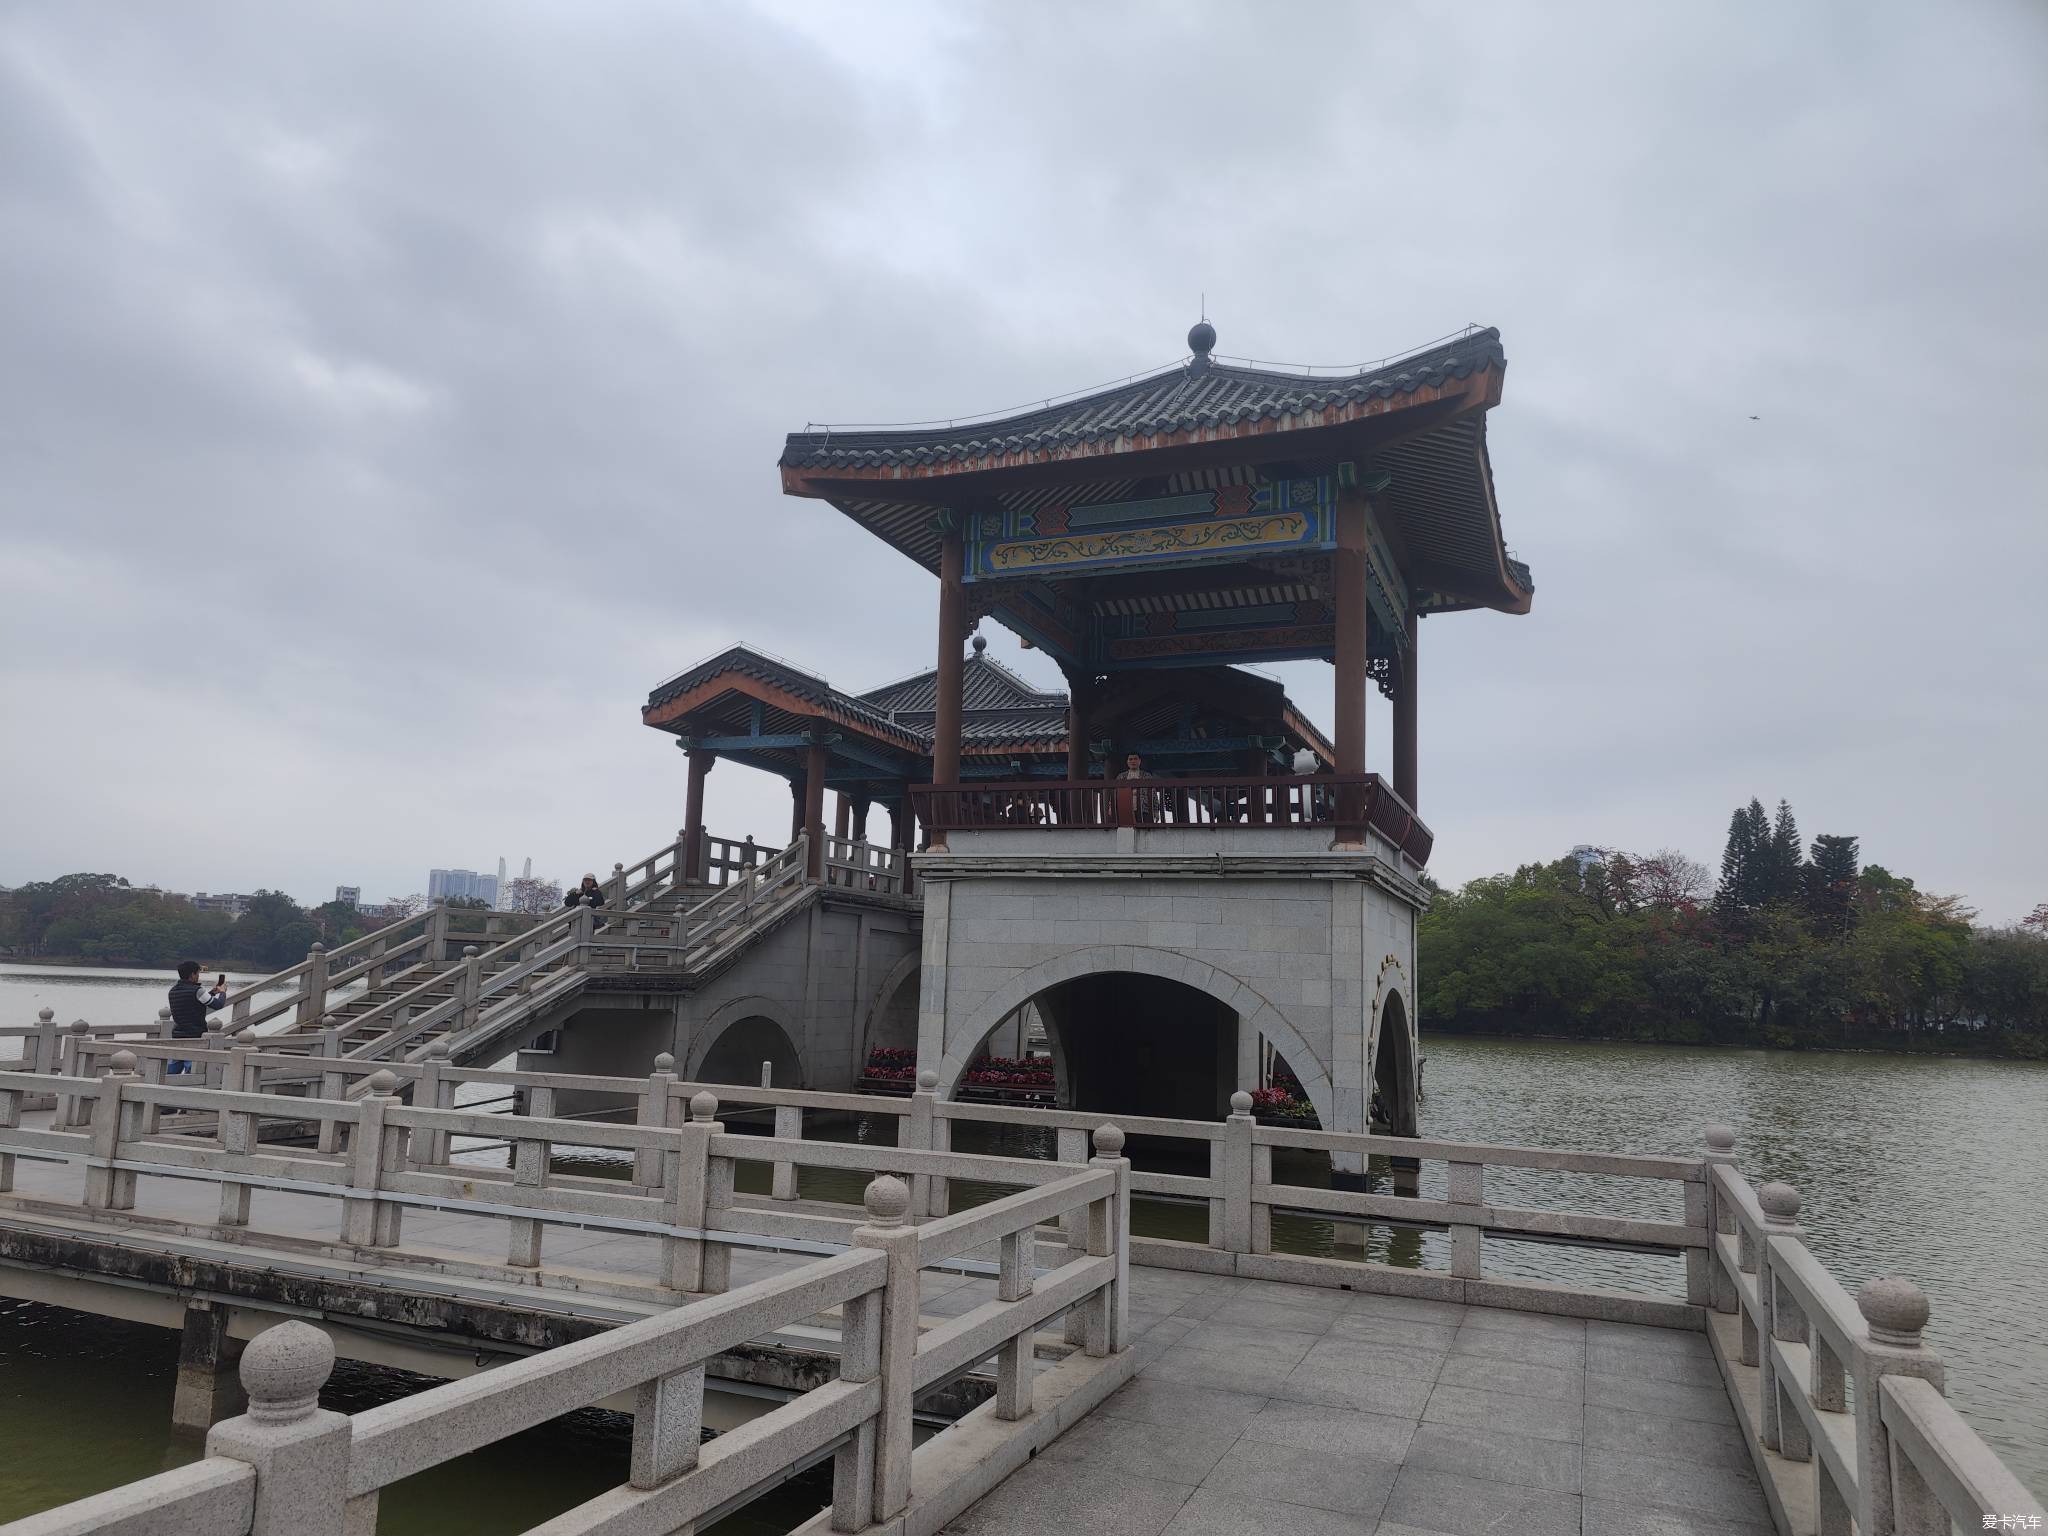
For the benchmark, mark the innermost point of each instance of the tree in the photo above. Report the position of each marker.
(535, 895)
(1743, 862)
(468, 904)
(1831, 881)
(1668, 879)
(1783, 861)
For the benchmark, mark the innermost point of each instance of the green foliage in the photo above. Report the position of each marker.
(1791, 953)
(102, 918)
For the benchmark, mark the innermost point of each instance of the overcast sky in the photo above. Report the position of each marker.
(390, 394)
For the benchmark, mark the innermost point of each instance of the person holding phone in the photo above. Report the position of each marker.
(190, 1004)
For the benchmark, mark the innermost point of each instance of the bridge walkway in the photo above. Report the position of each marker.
(1262, 1407)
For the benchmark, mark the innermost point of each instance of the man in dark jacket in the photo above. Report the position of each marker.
(190, 1004)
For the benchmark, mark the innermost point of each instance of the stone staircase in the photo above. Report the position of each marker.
(419, 987)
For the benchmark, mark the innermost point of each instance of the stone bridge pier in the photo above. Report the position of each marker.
(810, 997)
(1171, 975)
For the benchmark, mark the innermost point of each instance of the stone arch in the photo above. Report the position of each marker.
(902, 971)
(1252, 1009)
(1393, 1064)
(740, 1011)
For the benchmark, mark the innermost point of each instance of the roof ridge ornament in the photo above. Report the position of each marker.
(1201, 342)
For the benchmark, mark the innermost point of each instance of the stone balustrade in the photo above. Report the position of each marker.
(1839, 1397)
(290, 1468)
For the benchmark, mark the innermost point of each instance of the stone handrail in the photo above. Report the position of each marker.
(288, 1467)
(1838, 1398)
(853, 865)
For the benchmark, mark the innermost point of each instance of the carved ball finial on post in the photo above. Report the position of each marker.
(1780, 1204)
(438, 1049)
(703, 1105)
(1240, 1103)
(121, 1061)
(887, 1199)
(928, 1080)
(1720, 1138)
(382, 1082)
(283, 1370)
(1109, 1141)
(469, 951)
(664, 1062)
(79, 1026)
(1895, 1308)
(44, 1015)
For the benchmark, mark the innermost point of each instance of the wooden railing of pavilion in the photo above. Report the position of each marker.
(1339, 801)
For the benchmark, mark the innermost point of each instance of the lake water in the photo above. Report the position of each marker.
(1927, 1167)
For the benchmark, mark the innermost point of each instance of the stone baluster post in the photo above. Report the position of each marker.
(212, 1042)
(689, 1189)
(668, 1426)
(313, 988)
(469, 989)
(888, 1202)
(853, 1464)
(298, 1448)
(654, 1110)
(581, 927)
(430, 1147)
(375, 1149)
(238, 1130)
(164, 1024)
(719, 1175)
(1721, 1295)
(437, 934)
(1071, 1146)
(1015, 1361)
(789, 1126)
(10, 1119)
(45, 1052)
(72, 1049)
(113, 1122)
(333, 1085)
(1231, 1164)
(1782, 1320)
(615, 893)
(1894, 1313)
(927, 1194)
(1109, 1232)
(529, 1171)
(1467, 1188)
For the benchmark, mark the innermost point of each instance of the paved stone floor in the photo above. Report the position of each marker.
(1276, 1408)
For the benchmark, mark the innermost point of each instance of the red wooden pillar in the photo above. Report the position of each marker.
(796, 808)
(701, 764)
(1404, 722)
(1347, 569)
(842, 819)
(814, 805)
(952, 665)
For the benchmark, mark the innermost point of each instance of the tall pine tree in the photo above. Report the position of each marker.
(1783, 877)
(1743, 861)
(1831, 880)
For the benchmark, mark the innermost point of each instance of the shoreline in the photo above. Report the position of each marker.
(1425, 1031)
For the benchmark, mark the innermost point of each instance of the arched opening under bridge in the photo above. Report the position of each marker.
(1125, 1043)
(737, 1053)
(1394, 1105)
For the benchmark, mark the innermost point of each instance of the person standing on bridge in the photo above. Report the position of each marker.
(191, 1002)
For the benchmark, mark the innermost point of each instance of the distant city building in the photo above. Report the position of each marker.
(454, 884)
(1585, 855)
(234, 903)
(349, 895)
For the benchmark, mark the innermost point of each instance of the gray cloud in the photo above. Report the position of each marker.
(390, 394)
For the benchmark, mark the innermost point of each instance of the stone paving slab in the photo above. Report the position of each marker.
(1317, 1412)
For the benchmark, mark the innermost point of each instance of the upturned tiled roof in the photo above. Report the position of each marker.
(985, 684)
(1199, 394)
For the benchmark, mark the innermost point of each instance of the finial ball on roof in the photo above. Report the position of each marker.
(1202, 338)
(980, 644)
